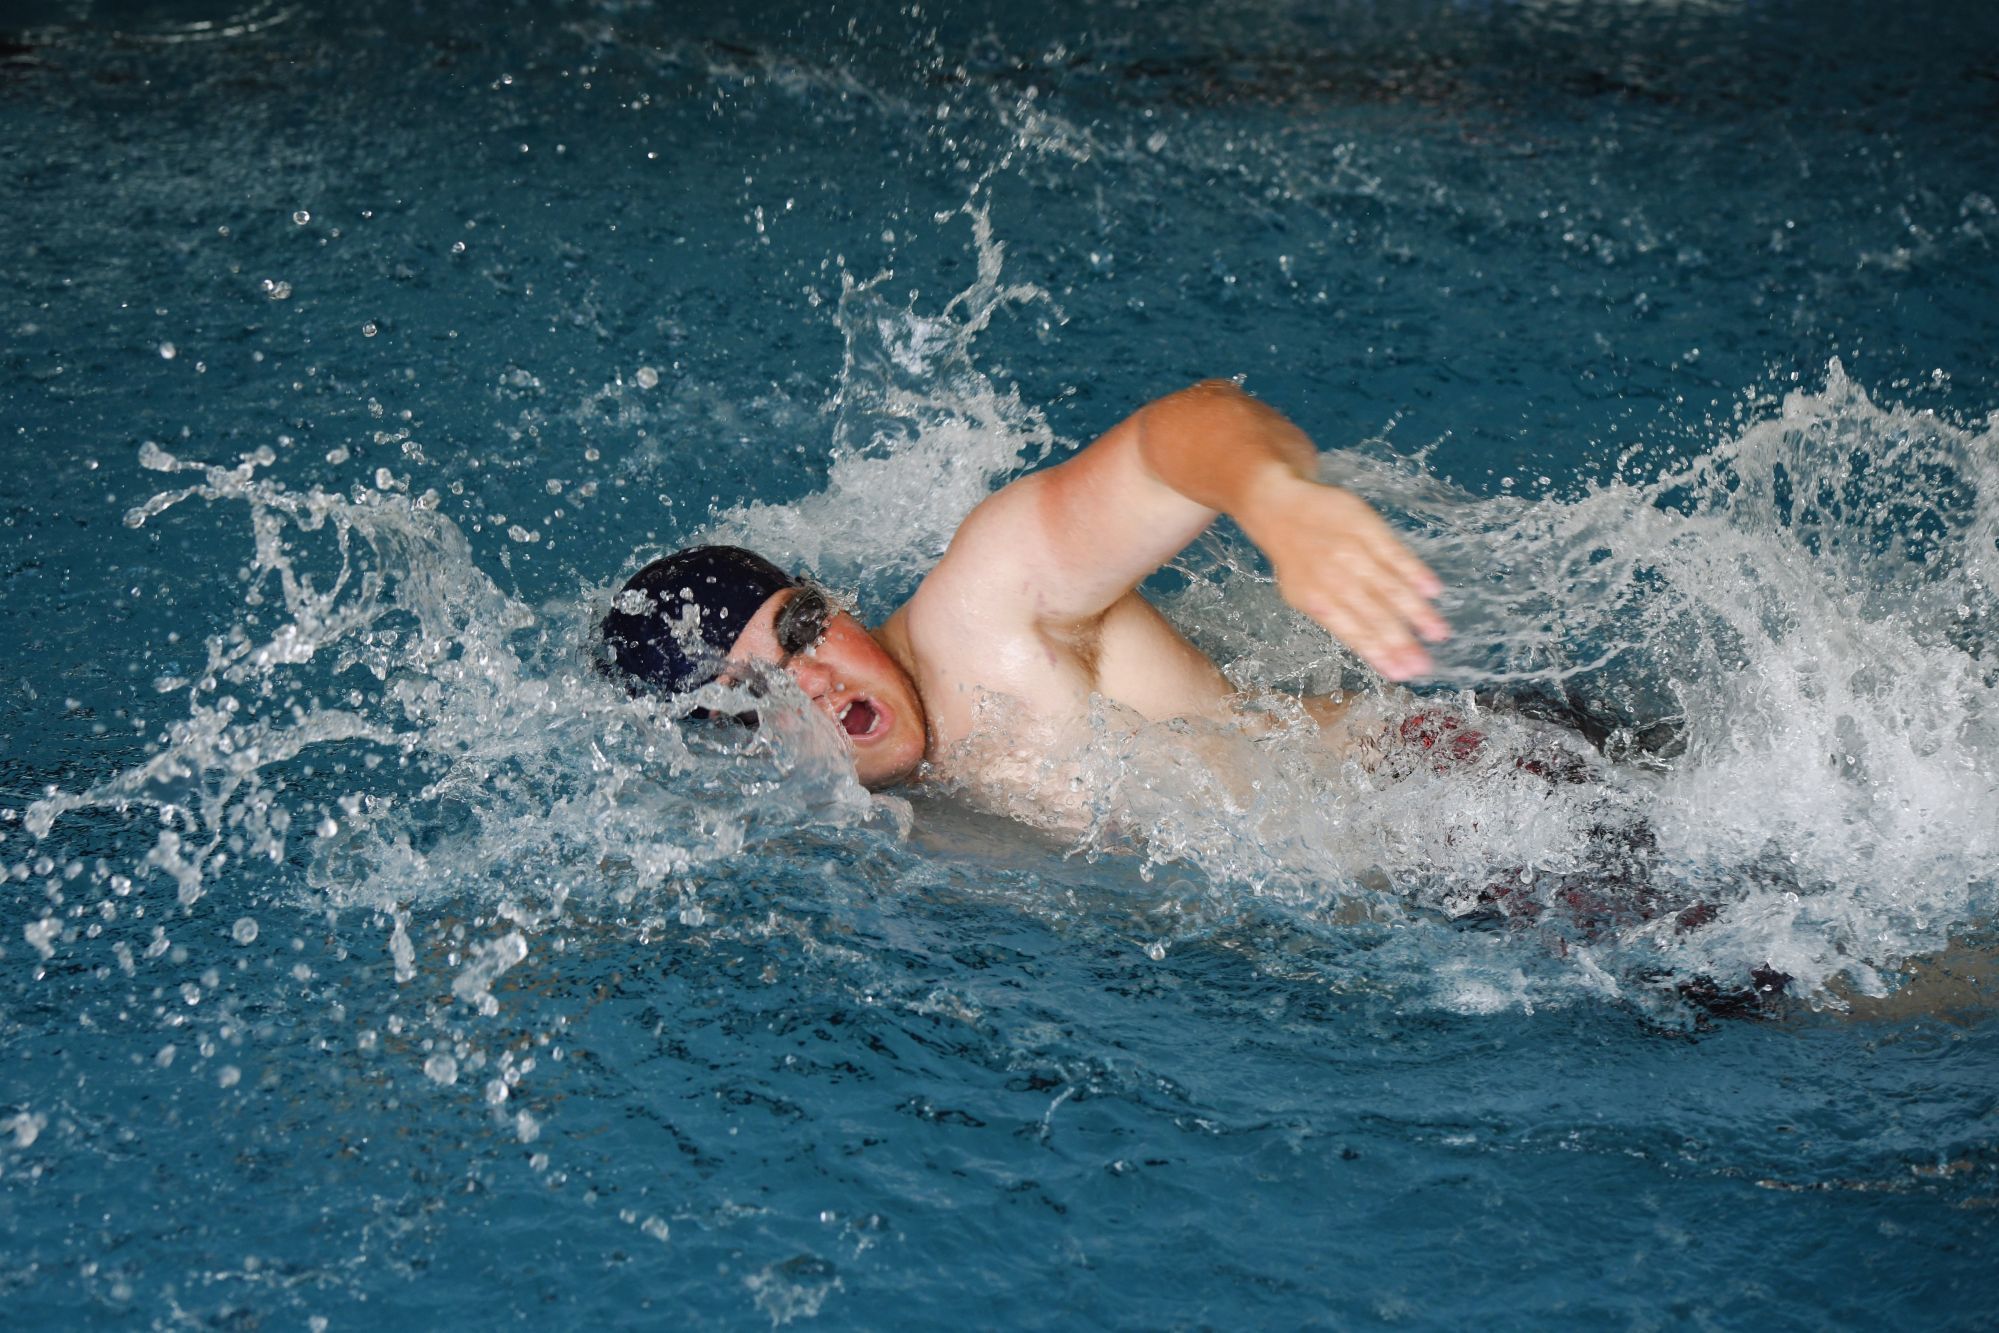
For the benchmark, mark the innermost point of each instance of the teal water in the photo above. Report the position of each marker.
(364, 959)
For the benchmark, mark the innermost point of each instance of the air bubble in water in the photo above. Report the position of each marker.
(245, 930)
(228, 1076)
(369, 329)
(441, 1068)
(302, 217)
(168, 351)
(647, 377)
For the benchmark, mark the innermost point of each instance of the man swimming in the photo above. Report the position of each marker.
(1034, 612)
(988, 676)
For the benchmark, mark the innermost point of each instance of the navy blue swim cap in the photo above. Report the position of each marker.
(674, 621)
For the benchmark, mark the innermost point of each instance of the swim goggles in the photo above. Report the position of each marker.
(801, 623)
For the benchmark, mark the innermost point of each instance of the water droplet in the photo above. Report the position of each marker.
(245, 930)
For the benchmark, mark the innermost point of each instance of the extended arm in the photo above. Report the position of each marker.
(1076, 538)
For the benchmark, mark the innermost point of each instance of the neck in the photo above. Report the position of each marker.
(893, 636)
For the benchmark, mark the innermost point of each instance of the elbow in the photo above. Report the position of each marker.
(1209, 402)
(1216, 388)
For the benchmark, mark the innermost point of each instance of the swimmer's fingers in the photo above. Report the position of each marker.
(1364, 609)
(1404, 570)
(1340, 563)
(1407, 597)
(1397, 576)
(1367, 624)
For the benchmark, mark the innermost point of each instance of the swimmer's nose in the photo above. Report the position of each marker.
(812, 675)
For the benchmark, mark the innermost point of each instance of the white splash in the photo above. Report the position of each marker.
(920, 434)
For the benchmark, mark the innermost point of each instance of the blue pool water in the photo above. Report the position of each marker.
(364, 960)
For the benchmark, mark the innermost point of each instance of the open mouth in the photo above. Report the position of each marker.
(860, 719)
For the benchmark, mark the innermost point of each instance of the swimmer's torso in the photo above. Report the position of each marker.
(1009, 710)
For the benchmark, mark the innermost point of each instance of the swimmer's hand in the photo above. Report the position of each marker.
(1338, 562)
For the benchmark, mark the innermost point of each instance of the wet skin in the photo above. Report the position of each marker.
(850, 678)
(1035, 601)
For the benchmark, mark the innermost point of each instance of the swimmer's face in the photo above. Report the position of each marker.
(848, 676)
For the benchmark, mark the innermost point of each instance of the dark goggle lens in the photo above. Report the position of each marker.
(801, 622)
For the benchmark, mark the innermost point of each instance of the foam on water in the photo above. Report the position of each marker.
(454, 709)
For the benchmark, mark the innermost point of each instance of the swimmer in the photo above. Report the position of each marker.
(1034, 609)
(988, 676)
